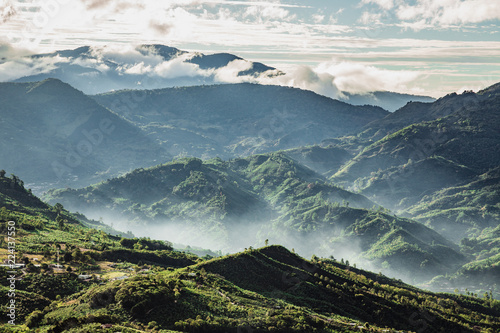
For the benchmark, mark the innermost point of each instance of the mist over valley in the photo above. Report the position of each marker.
(147, 188)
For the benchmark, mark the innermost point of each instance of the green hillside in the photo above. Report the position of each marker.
(426, 157)
(237, 119)
(79, 279)
(474, 205)
(444, 174)
(417, 112)
(264, 290)
(240, 203)
(213, 197)
(67, 136)
(55, 247)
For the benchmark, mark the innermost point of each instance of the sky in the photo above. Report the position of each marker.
(428, 47)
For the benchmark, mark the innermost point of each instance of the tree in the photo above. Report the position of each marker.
(68, 257)
(77, 254)
(14, 178)
(2, 173)
(58, 208)
(34, 318)
(60, 222)
(267, 242)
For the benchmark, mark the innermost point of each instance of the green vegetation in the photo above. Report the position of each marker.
(273, 197)
(220, 120)
(52, 133)
(64, 254)
(413, 195)
(264, 290)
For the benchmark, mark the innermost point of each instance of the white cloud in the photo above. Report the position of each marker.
(90, 63)
(423, 14)
(370, 18)
(7, 51)
(385, 4)
(359, 78)
(318, 18)
(332, 78)
(7, 10)
(229, 73)
(126, 55)
(21, 67)
(178, 67)
(142, 61)
(264, 13)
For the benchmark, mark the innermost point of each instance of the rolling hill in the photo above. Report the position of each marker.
(417, 111)
(53, 133)
(230, 205)
(404, 167)
(238, 119)
(389, 101)
(78, 279)
(265, 290)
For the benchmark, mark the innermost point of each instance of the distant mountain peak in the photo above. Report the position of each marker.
(99, 69)
(52, 85)
(493, 89)
(167, 52)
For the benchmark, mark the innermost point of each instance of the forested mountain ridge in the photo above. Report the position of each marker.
(244, 201)
(74, 141)
(51, 132)
(389, 101)
(77, 278)
(238, 119)
(442, 173)
(410, 165)
(265, 290)
(417, 112)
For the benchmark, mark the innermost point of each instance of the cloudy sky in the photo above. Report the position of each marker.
(430, 47)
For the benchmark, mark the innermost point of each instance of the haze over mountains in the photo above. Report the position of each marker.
(72, 138)
(53, 133)
(96, 70)
(238, 119)
(413, 193)
(418, 161)
(270, 288)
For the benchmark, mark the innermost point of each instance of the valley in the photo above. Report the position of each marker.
(207, 199)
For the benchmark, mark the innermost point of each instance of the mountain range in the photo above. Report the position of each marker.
(238, 119)
(76, 278)
(440, 171)
(74, 140)
(211, 168)
(52, 133)
(448, 147)
(96, 70)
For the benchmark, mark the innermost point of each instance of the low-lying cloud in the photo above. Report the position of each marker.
(21, 67)
(332, 79)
